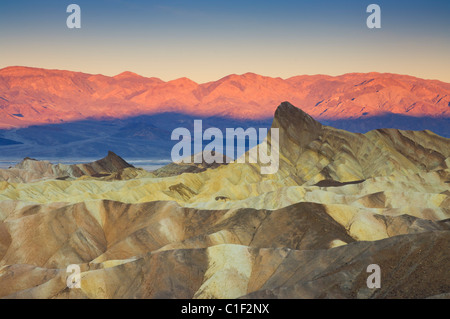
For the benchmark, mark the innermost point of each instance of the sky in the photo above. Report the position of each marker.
(205, 40)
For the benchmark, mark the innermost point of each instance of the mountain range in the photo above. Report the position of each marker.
(53, 114)
(30, 96)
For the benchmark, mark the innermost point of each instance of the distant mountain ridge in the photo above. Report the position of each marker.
(33, 96)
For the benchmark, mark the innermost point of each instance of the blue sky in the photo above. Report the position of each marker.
(205, 40)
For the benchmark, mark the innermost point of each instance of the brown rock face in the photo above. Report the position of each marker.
(161, 250)
(174, 169)
(110, 164)
(341, 272)
(311, 151)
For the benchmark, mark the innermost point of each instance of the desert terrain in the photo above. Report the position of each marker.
(339, 202)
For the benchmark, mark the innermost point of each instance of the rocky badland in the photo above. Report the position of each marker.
(339, 202)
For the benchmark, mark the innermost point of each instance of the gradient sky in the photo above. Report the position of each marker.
(208, 39)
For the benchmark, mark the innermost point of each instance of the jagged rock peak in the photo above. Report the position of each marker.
(288, 112)
(112, 162)
(296, 124)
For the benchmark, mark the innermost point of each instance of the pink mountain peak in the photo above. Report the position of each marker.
(184, 81)
(127, 74)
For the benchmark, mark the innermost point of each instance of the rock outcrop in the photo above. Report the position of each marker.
(32, 170)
